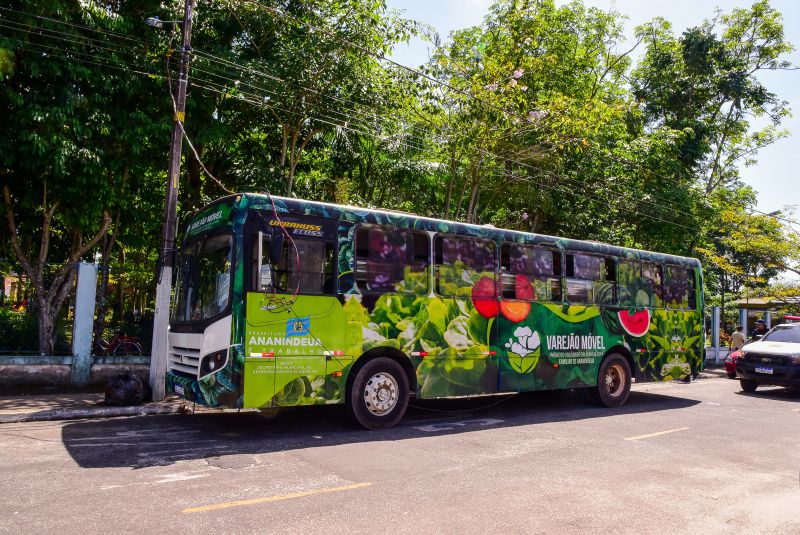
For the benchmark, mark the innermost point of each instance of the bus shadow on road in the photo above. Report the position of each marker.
(140, 442)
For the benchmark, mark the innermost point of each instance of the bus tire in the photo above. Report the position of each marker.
(613, 382)
(378, 396)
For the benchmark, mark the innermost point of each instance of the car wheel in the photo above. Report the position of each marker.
(748, 385)
(613, 382)
(378, 396)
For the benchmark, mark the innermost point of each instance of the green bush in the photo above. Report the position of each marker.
(19, 333)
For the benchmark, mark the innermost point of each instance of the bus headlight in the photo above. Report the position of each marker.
(212, 363)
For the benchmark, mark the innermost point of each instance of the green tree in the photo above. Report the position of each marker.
(705, 82)
(79, 125)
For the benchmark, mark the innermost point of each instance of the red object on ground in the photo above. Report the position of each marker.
(730, 363)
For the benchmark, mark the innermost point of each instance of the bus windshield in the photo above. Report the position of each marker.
(204, 278)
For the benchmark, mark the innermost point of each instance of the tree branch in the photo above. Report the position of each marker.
(12, 227)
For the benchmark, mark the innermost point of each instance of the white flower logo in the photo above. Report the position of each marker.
(523, 353)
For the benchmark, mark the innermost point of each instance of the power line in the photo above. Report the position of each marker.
(336, 121)
(343, 117)
(381, 57)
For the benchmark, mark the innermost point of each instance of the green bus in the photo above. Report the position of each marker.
(284, 302)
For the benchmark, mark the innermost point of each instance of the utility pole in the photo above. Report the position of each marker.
(160, 347)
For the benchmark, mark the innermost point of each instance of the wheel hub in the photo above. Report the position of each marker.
(380, 393)
(615, 380)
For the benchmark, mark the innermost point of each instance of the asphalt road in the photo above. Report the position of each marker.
(678, 458)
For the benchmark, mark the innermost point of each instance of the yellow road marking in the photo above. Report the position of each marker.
(266, 499)
(651, 435)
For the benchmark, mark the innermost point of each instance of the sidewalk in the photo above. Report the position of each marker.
(39, 406)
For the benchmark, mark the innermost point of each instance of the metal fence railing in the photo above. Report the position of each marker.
(124, 312)
(19, 317)
(123, 315)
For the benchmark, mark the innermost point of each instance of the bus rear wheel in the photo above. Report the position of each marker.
(613, 382)
(378, 397)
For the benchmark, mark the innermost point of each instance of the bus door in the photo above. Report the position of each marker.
(529, 276)
(295, 323)
(466, 281)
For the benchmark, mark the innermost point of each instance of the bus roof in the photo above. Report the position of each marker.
(409, 220)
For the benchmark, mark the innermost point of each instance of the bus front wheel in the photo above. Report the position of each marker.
(378, 397)
(613, 382)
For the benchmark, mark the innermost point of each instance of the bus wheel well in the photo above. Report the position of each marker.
(387, 352)
(625, 352)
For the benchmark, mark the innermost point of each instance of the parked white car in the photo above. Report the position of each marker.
(773, 360)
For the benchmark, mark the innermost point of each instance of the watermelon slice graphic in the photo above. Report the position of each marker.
(635, 324)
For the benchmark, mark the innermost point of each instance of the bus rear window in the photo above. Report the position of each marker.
(679, 287)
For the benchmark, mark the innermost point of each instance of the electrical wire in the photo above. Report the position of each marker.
(365, 132)
(378, 56)
(418, 147)
(72, 24)
(381, 57)
(257, 102)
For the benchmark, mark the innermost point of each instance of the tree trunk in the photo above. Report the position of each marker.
(46, 331)
(120, 286)
(472, 207)
(451, 180)
(102, 291)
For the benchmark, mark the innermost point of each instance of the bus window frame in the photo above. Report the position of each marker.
(200, 325)
(257, 225)
(655, 295)
(557, 276)
(436, 265)
(603, 258)
(691, 278)
(410, 253)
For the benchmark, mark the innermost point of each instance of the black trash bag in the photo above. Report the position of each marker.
(126, 389)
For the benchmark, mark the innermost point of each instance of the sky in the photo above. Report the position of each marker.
(774, 177)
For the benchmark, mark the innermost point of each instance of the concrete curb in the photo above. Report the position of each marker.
(90, 412)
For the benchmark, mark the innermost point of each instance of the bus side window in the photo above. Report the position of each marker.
(652, 279)
(261, 269)
(605, 289)
(461, 261)
(583, 271)
(541, 267)
(629, 273)
(392, 260)
(679, 287)
(305, 267)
